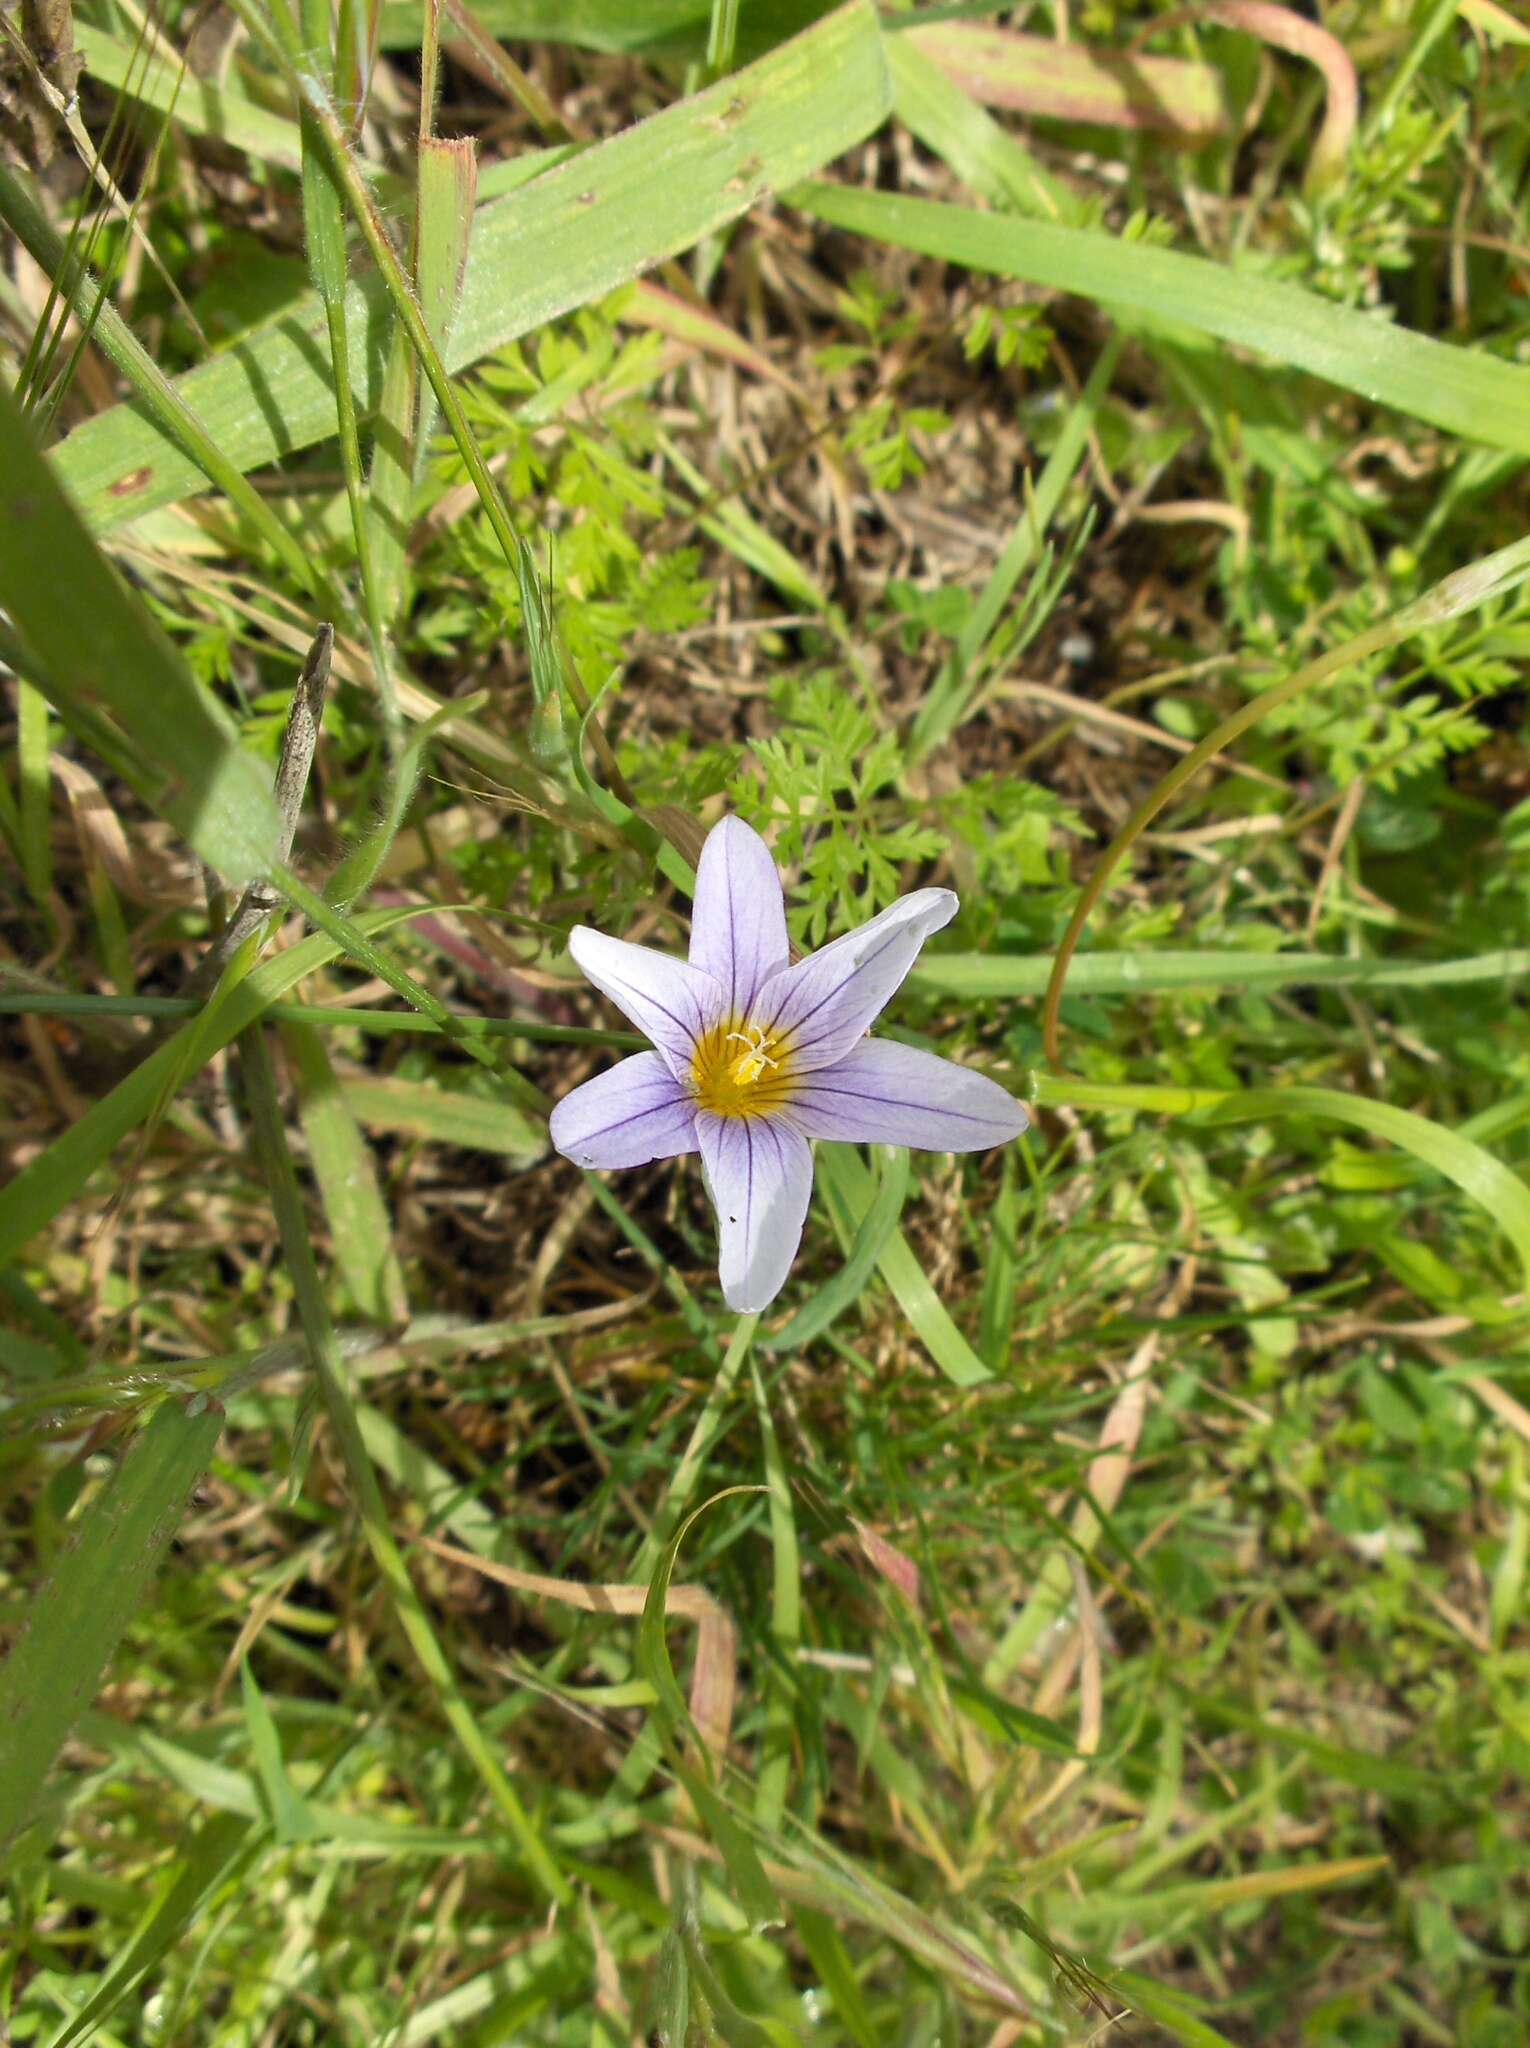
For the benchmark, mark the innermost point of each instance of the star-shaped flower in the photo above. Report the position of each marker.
(755, 1057)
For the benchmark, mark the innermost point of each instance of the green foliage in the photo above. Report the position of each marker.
(1111, 1559)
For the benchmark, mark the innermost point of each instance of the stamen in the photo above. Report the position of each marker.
(751, 1063)
(741, 1069)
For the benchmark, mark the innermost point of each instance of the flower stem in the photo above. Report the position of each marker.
(708, 1429)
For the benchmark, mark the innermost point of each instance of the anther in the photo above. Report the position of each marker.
(751, 1063)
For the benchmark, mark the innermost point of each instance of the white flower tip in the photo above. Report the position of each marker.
(733, 827)
(747, 1298)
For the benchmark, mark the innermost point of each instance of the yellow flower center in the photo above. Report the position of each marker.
(739, 1069)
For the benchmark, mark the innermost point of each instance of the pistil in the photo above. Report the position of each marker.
(739, 1070)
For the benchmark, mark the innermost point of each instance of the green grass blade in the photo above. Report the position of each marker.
(16, 1002)
(752, 1889)
(446, 179)
(1486, 1180)
(961, 676)
(1489, 1183)
(286, 1808)
(850, 1190)
(1466, 391)
(444, 1116)
(1168, 2009)
(359, 1226)
(102, 651)
(219, 1853)
(593, 223)
(324, 238)
(281, 1182)
(777, 1735)
(984, 155)
(35, 804)
(53, 1180)
(154, 392)
(78, 1615)
(871, 1240)
(447, 196)
(351, 935)
(985, 976)
(830, 1958)
(221, 111)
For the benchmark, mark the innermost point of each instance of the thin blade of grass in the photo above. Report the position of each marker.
(446, 179)
(753, 1891)
(1169, 2009)
(17, 1002)
(932, 104)
(346, 1173)
(286, 1807)
(220, 1853)
(1216, 1894)
(827, 1953)
(1494, 1187)
(985, 976)
(35, 803)
(78, 1615)
(352, 935)
(1464, 390)
(952, 694)
(444, 1116)
(850, 1189)
(773, 1774)
(871, 1240)
(328, 264)
(221, 111)
(1072, 82)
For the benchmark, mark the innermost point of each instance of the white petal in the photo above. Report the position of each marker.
(738, 925)
(760, 1174)
(634, 1112)
(883, 1093)
(669, 1002)
(828, 1001)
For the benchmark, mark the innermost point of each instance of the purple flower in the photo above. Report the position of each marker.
(754, 1058)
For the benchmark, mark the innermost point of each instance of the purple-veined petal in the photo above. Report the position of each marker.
(826, 1002)
(760, 1172)
(738, 924)
(883, 1093)
(634, 1112)
(669, 1002)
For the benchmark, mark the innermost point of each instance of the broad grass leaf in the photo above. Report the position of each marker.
(77, 1617)
(101, 651)
(593, 223)
(1464, 390)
